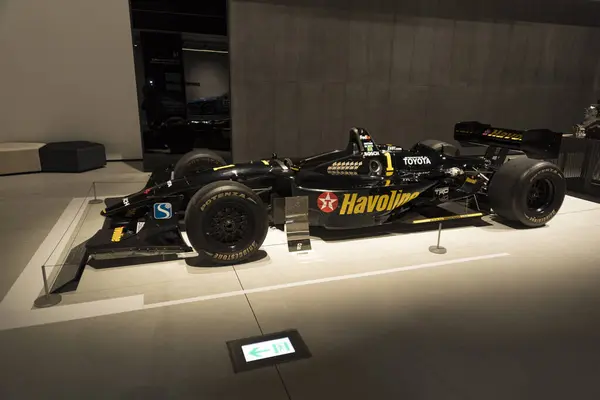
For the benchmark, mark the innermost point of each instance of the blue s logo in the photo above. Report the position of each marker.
(163, 210)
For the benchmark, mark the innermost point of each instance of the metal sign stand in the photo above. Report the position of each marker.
(95, 200)
(437, 249)
(296, 223)
(48, 299)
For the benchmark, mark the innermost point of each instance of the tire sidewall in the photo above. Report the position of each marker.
(197, 161)
(197, 164)
(544, 171)
(206, 202)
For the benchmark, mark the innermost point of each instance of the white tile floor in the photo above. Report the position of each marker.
(518, 322)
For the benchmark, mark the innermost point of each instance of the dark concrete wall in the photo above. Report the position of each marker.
(302, 73)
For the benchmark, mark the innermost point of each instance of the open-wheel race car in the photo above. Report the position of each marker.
(226, 210)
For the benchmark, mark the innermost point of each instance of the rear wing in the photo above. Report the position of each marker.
(535, 143)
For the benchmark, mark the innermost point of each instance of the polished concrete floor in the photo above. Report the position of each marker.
(383, 317)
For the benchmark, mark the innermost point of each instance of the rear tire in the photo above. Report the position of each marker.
(443, 148)
(226, 223)
(197, 160)
(527, 191)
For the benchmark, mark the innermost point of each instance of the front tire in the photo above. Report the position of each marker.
(527, 191)
(226, 223)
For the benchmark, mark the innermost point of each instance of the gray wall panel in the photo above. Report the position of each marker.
(355, 101)
(318, 39)
(335, 47)
(333, 128)
(409, 105)
(285, 47)
(256, 43)
(564, 59)
(462, 51)
(441, 57)
(381, 34)
(513, 68)
(377, 102)
(358, 49)
(301, 39)
(481, 51)
(533, 54)
(286, 124)
(549, 53)
(403, 46)
(404, 70)
(259, 100)
(498, 54)
(311, 114)
(588, 51)
(65, 78)
(422, 54)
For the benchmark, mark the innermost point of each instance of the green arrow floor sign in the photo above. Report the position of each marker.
(268, 349)
(257, 352)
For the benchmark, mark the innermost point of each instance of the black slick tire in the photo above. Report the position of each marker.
(444, 148)
(197, 160)
(527, 191)
(226, 223)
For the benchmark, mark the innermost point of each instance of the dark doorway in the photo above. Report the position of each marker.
(182, 73)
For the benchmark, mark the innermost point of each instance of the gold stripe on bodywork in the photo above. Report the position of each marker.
(451, 217)
(223, 167)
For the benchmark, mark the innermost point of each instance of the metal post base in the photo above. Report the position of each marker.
(296, 224)
(47, 300)
(438, 249)
(95, 201)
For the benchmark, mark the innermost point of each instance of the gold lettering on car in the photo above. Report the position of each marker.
(500, 134)
(117, 234)
(353, 204)
(389, 169)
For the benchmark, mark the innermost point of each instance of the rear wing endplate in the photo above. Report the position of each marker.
(535, 143)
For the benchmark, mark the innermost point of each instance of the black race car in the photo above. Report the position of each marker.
(226, 210)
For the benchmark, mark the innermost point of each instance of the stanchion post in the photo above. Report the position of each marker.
(476, 202)
(47, 299)
(437, 249)
(95, 200)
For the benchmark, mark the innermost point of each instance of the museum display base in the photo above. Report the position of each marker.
(334, 256)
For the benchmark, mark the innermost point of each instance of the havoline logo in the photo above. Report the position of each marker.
(355, 204)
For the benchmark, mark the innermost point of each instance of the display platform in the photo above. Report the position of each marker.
(334, 257)
(169, 278)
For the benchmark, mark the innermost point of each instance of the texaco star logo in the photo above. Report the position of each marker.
(327, 202)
